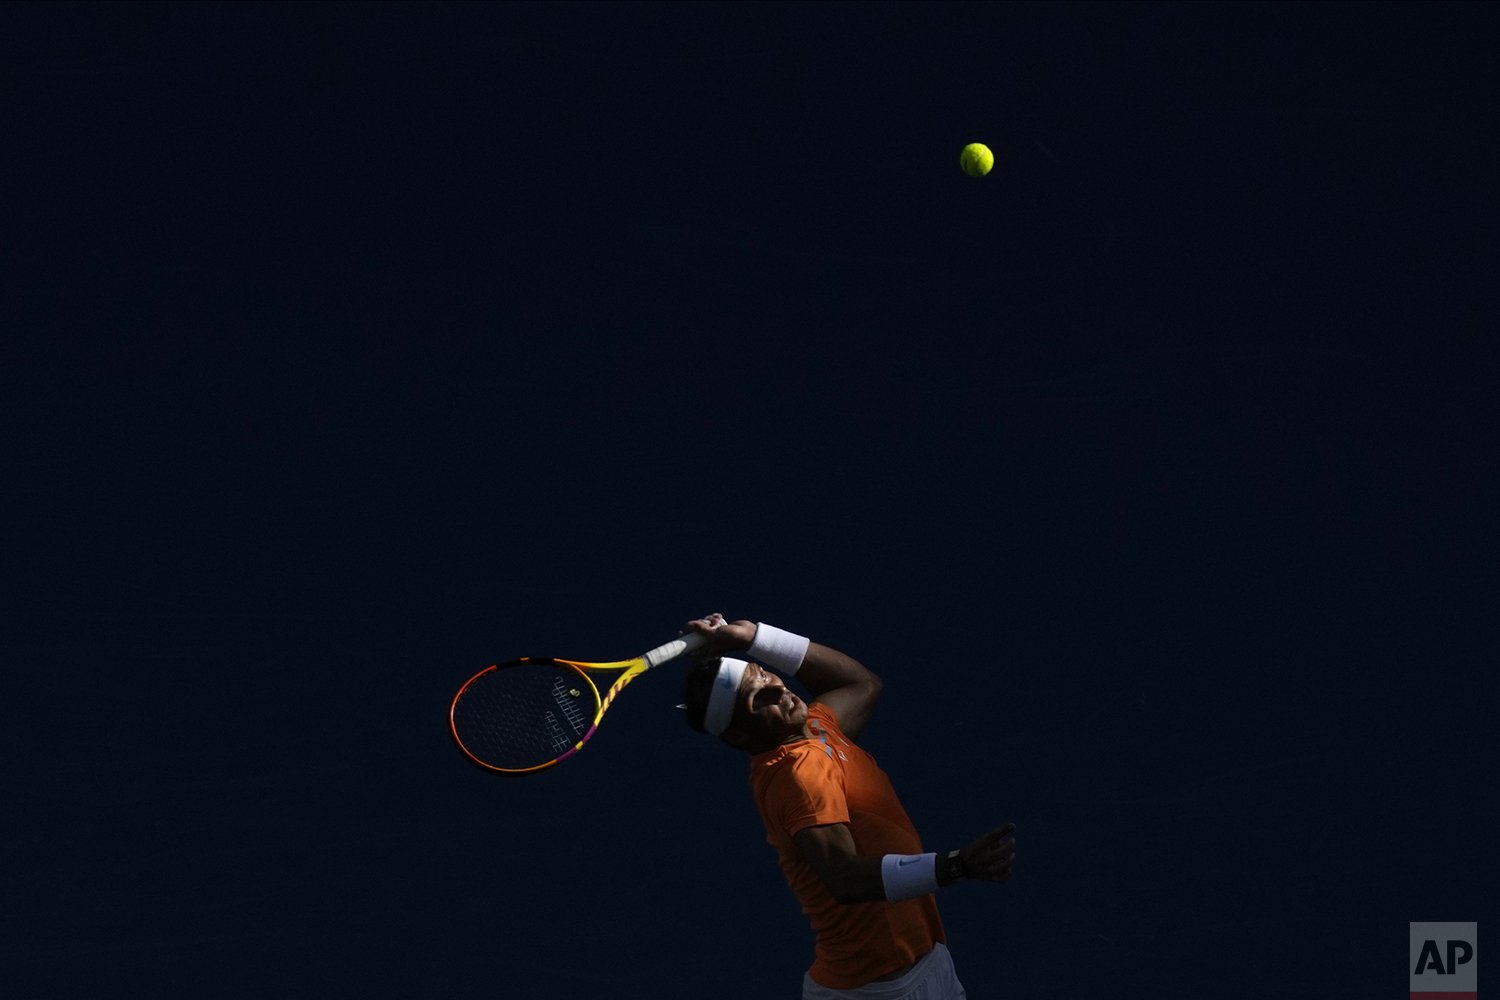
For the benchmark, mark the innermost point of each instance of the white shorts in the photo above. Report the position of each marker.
(932, 978)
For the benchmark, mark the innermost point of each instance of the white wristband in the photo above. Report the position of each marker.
(778, 649)
(908, 876)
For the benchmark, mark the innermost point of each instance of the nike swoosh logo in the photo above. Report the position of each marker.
(903, 862)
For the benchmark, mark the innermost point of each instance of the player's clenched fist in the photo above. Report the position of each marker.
(723, 636)
(991, 857)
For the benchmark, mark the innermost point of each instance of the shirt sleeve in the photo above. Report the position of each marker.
(809, 791)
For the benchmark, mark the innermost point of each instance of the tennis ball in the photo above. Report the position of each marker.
(976, 159)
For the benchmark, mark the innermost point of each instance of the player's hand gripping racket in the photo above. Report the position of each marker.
(531, 713)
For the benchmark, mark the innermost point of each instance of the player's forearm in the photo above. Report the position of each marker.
(856, 880)
(825, 668)
(861, 880)
(820, 668)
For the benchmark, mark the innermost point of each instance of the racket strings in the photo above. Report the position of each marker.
(525, 715)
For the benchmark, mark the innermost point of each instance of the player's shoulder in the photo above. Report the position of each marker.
(822, 710)
(789, 756)
(802, 772)
(825, 718)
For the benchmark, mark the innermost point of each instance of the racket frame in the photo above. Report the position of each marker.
(632, 668)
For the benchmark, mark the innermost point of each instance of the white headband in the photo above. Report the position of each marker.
(725, 693)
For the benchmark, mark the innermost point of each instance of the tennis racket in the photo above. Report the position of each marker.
(529, 714)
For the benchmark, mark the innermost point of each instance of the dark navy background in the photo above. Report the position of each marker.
(347, 349)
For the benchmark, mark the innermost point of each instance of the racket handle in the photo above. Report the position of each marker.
(671, 650)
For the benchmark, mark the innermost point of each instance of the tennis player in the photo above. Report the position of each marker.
(846, 846)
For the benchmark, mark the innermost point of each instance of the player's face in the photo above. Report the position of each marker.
(767, 706)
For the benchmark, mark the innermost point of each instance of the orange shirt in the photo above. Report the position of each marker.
(827, 779)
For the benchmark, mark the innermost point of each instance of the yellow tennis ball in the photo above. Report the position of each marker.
(976, 159)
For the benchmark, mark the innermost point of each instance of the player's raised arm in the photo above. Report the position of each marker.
(843, 684)
(835, 679)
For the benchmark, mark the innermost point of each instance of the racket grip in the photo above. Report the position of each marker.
(671, 650)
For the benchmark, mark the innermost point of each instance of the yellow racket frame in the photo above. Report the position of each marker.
(632, 668)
